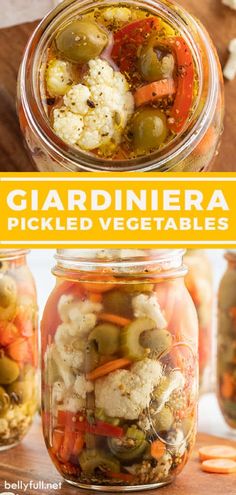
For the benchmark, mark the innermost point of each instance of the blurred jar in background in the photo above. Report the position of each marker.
(226, 348)
(199, 282)
(18, 347)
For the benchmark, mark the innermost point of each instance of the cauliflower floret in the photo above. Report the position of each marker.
(120, 14)
(62, 335)
(63, 307)
(147, 306)
(96, 112)
(100, 72)
(67, 125)
(77, 99)
(174, 381)
(58, 77)
(74, 403)
(83, 386)
(79, 317)
(129, 392)
(64, 370)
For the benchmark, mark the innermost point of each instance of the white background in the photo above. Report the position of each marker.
(210, 419)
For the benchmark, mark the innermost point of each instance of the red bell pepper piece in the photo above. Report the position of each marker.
(127, 41)
(185, 83)
(78, 422)
(8, 333)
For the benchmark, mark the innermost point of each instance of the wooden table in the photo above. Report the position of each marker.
(30, 461)
(219, 20)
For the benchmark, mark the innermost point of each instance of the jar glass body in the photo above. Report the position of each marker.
(192, 151)
(226, 346)
(120, 372)
(199, 282)
(18, 348)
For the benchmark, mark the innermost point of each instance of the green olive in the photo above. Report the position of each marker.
(149, 129)
(91, 460)
(9, 370)
(4, 401)
(130, 447)
(8, 297)
(21, 392)
(118, 302)
(156, 62)
(91, 358)
(106, 337)
(81, 41)
(159, 341)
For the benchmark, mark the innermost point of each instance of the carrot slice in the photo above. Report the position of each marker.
(219, 466)
(154, 91)
(95, 298)
(108, 368)
(118, 320)
(157, 449)
(217, 452)
(78, 445)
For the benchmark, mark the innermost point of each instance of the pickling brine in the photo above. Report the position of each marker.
(122, 86)
(18, 348)
(120, 368)
(226, 348)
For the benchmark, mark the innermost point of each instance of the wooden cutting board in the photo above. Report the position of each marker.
(221, 24)
(30, 461)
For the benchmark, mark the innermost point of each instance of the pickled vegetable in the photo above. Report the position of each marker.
(130, 338)
(106, 337)
(149, 129)
(9, 370)
(155, 61)
(131, 447)
(97, 459)
(118, 303)
(159, 341)
(226, 342)
(18, 358)
(119, 379)
(81, 41)
(102, 66)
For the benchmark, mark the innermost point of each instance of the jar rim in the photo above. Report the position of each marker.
(74, 159)
(13, 253)
(119, 261)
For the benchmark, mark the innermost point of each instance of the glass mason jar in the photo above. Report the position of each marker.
(120, 368)
(18, 347)
(191, 150)
(226, 350)
(199, 282)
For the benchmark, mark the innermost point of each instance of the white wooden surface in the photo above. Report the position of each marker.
(17, 11)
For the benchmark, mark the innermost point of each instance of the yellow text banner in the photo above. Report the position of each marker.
(114, 210)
